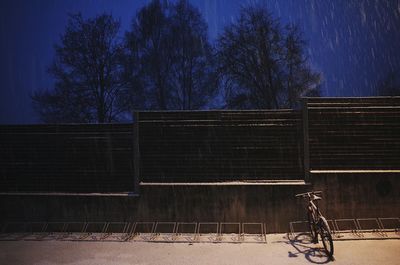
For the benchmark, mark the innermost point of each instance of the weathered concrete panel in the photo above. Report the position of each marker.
(274, 205)
(359, 195)
(345, 196)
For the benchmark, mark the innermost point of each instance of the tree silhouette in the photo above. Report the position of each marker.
(300, 79)
(87, 73)
(175, 57)
(263, 65)
(147, 44)
(193, 71)
(166, 61)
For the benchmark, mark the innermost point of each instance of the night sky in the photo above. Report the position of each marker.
(354, 44)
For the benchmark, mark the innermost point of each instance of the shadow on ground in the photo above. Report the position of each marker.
(303, 246)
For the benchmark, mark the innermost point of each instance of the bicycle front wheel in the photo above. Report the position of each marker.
(326, 236)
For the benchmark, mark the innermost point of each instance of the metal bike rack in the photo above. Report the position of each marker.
(303, 224)
(185, 232)
(94, 231)
(334, 230)
(74, 231)
(209, 228)
(54, 230)
(390, 224)
(116, 231)
(368, 224)
(347, 226)
(165, 228)
(35, 230)
(141, 229)
(248, 230)
(234, 232)
(331, 224)
(226, 228)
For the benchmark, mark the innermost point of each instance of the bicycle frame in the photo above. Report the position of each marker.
(317, 222)
(314, 210)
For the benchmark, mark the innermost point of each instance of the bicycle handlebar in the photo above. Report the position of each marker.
(308, 194)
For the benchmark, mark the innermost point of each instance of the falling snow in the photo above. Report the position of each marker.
(354, 44)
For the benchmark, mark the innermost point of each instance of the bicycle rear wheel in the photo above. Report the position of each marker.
(312, 227)
(326, 236)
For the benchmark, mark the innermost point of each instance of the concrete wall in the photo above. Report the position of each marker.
(340, 139)
(345, 196)
(274, 205)
(359, 195)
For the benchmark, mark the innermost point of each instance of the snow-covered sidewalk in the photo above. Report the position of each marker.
(277, 250)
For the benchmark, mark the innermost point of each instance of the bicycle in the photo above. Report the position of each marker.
(317, 222)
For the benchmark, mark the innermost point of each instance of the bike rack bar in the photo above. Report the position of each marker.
(260, 225)
(180, 224)
(291, 226)
(51, 231)
(334, 228)
(355, 229)
(109, 231)
(84, 233)
(36, 230)
(135, 232)
(157, 231)
(373, 220)
(395, 222)
(208, 224)
(265, 232)
(130, 232)
(183, 224)
(352, 221)
(94, 228)
(223, 224)
(72, 228)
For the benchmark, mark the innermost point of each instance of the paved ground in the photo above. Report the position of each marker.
(278, 250)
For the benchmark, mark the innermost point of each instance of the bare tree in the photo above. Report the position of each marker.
(300, 79)
(193, 72)
(148, 42)
(133, 95)
(263, 65)
(87, 73)
(176, 66)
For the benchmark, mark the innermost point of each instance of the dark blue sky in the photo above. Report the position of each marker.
(352, 43)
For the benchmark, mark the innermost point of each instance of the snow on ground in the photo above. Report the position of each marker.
(277, 250)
